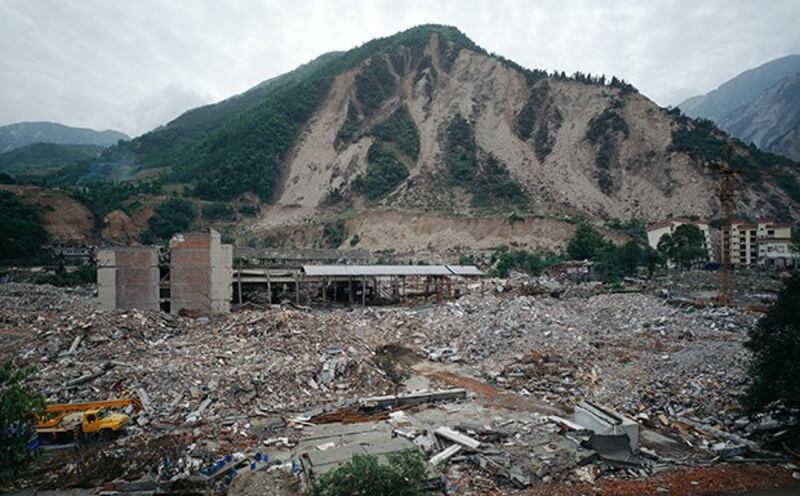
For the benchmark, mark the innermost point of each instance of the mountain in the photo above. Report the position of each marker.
(24, 133)
(41, 159)
(741, 90)
(771, 121)
(427, 125)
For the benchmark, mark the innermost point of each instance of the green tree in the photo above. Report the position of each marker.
(651, 259)
(506, 260)
(172, 216)
(586, 243)
(21, 232)
(631, 257)
(218, 211)
(685, 246)
(796, 240)
(405, 475)
(774, 368)
(19, 405)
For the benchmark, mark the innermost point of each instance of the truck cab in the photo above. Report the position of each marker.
(102, 421)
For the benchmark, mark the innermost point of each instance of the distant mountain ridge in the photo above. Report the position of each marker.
(771, 121)
(38, 159)
(426, 120)
(740, 90)
(25, 133)
(759, 106)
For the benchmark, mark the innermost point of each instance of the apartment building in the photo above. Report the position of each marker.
(751, 243)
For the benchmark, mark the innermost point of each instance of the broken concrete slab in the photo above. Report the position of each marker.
(604, 421)
(458, 438)
(445, 454)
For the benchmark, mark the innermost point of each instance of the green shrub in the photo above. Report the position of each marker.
(249, 210)
(404, 475)
(399, 129)
(774, 368)
(491, 186)
(462, 160)
(702, 140)
(504, 261)
(21, 231)
(384, 173)
(605, 124)
(18, 406)
(85, 274)
(543, 142)
(603, 130)
(374, 84)
(635, 228)
(349, 126)
(466, 260)
(102, 198)
(173, 216)
(218, 211)
(526, 120)
(334, 233)
(494, 185)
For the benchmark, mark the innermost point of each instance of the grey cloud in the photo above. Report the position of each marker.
(166, 104)
(103, 63)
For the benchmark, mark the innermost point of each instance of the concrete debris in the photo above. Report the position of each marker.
(444, 455)
(513, 385)
(458, 438)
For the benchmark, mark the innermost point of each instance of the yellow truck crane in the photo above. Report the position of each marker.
(88, 420)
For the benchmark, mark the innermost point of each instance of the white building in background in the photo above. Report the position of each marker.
(777, 253)
(658, 229)
(765, 243)
(749, 242)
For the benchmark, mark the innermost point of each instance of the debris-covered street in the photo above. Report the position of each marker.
(491, 389)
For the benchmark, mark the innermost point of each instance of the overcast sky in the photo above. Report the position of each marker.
(135, 64)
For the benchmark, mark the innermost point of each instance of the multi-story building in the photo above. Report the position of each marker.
(749, 242)
(658, 229)
(777, 253)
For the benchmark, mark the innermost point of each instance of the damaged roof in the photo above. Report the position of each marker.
(390, 270)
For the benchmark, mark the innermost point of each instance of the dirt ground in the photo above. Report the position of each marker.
(698, 481)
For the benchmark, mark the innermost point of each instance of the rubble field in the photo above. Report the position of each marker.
(215, 385)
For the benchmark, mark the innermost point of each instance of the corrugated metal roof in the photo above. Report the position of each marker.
(382, 270)
(465, 270)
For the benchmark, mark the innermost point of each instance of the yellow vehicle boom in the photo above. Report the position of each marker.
(87, 418)
(91, 405)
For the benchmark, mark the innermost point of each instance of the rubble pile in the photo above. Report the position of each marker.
(238, 382)
(632, 351)
(45, 298)
(192, 370)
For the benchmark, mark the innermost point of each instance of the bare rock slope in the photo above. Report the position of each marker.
(643, 176)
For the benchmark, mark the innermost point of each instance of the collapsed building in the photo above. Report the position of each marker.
(196, 275)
